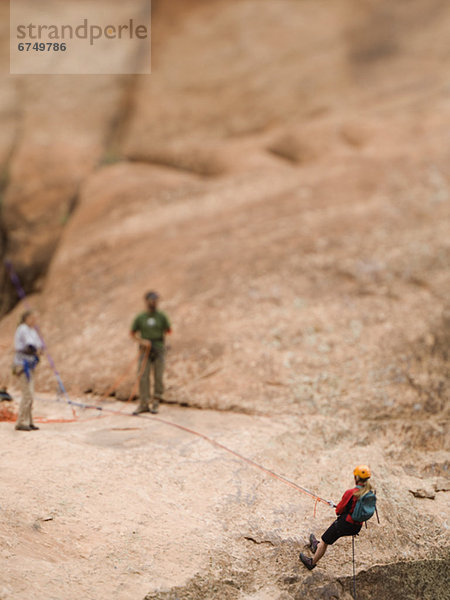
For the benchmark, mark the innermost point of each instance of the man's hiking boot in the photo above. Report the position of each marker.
(138, 411)
(23, 428)
(155, 407)
(313, 543)
(34, 428)
(308, 562)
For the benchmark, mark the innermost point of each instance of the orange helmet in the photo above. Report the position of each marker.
(362, 472)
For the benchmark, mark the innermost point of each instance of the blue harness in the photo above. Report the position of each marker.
(29, 365)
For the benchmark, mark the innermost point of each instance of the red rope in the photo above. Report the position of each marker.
(244, 459)
(119, 380)
(47, 420)
(211, 441)
(140, 373)
(217, 444)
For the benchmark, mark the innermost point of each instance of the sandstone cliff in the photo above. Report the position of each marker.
(282, 179)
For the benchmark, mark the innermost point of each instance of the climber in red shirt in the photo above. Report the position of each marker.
(344, 524)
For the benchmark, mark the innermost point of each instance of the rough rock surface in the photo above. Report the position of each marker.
(285, 188)
(127, 508)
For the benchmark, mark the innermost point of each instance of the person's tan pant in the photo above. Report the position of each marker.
(25, 418)
(157, 366)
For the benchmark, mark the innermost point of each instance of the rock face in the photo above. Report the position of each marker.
(281, 179)
(57, 148)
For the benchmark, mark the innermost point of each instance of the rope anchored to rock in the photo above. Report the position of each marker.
(104, 410)
(22, 295)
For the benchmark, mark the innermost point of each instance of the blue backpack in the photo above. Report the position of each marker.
(365, 507)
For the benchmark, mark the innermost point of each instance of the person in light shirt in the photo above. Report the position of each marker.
(28, 346)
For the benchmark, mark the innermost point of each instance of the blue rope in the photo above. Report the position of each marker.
(22, 295)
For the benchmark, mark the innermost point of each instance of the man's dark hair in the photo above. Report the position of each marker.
(151, 296)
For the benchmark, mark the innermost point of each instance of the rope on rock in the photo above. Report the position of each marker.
(104, 410)
(62, 390)
(249, 461)
(21, 293)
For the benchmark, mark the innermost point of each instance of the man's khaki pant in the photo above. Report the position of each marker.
(25, 418)
(157, 366)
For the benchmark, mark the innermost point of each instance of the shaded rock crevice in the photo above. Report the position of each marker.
(54, 153)
(8, 295)
(119, 123)
(258, 542)
(413, 580)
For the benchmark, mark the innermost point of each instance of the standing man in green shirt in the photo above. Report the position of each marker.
(149, 329)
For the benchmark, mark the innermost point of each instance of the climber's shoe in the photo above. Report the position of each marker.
(313, 543)
(308, 562)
